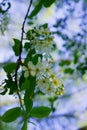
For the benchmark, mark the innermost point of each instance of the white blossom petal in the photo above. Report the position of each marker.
(26, 74)
(24, 68)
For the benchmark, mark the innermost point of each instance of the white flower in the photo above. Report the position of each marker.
(55, 82)
(41, 39)
(43, 82)
(30, 70)
(42, 31)
(47, 80)
(46, 67)
(60, 90)
(26, 74)
(38, 68)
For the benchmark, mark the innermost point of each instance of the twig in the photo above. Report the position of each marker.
(19, 59)
(23, 25)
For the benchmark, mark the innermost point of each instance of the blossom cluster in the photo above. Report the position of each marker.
(47, 81)
(41, 39)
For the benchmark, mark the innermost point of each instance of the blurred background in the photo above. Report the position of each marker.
(67, 20)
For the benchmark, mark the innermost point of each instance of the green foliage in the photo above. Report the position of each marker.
(28, 104)
(44, 25)
(9, 85)
(40, 112)
(27, 46)
(36, 9)
(64, 62)
(4, 91)
(25, 84)
(68, 70)
(82, 67)
(4, 16)
(12, 67)
(36, 57)
(11, 114)
(30, 90)
(16, 47)
(29, 56)
(48, 3)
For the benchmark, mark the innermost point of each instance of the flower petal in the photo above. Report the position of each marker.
(24, 68)
(26, 74)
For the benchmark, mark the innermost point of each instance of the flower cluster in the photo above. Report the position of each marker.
(46, 80)
(41, 40)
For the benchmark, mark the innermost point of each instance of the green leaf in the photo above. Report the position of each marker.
(48, 3)
(68, 70)
(11, 114)
(36, 9)
(35, 58)
(26, 84)
(28, 104)
(10, 67)
(17, 46)
(30, 91)
(76, 56)
(40, 112)
(44, 25)
(21, 80)
(29, 56)
(27, 46)
(4, 91)
(10, 84)
(82, 67)
(64, 62)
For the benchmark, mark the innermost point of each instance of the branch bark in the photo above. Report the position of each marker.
(19, 58)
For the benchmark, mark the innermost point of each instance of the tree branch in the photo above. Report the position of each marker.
(20, 52)
(23, 25)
